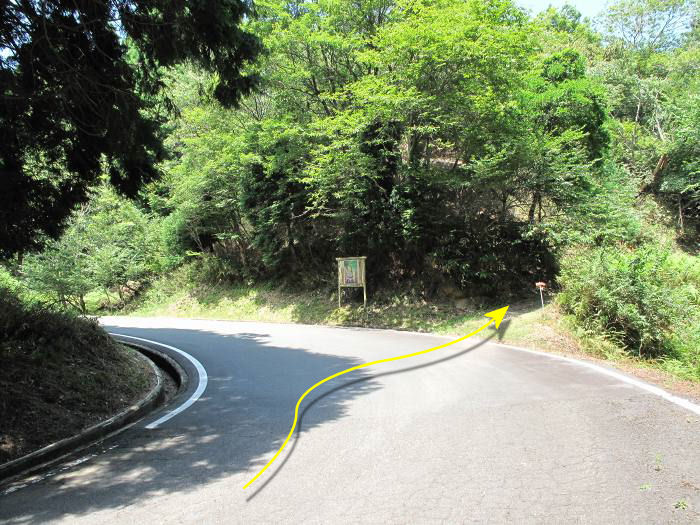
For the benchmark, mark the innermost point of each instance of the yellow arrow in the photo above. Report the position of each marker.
(496, 317)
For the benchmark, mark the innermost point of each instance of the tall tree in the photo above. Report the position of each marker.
(648, 25)
(80, 93)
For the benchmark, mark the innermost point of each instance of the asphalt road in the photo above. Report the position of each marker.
(471, 433)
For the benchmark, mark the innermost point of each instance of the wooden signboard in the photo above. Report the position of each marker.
(351, 274)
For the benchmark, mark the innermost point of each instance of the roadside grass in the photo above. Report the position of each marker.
(177, 295)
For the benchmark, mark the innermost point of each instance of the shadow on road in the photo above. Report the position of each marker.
(243, 417)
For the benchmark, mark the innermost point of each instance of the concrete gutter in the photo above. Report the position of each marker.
(55, 451)
(163, 360)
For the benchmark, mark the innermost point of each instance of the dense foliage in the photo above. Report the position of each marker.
(81, 95)
(647, 300)
(459, 144)
(110, 245)
(433, 138)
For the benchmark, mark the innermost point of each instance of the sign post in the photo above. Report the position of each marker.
(351, 274)
(541, 286)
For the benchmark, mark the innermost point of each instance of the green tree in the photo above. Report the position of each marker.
(377, 130)
(81, 86)
(63, 272)
(124, 248)
(647, 26)
(109, 244)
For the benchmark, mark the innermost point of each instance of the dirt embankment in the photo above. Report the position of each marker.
(59, 374)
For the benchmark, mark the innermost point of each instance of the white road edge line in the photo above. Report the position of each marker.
(203, 380)
(660, 392)
(682, 402)
(655, 390)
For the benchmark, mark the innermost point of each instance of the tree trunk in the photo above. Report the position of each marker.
(533, 209)
(109, 299)
(290, 240)
(504, 206)
(656, 175)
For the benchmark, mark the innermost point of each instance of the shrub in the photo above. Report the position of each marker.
(33, 331)
(496, 258)
(8, 281)
(645, 299)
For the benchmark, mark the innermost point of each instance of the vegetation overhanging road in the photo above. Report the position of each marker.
(478, 432)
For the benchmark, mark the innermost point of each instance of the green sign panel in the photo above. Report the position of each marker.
(351, 273)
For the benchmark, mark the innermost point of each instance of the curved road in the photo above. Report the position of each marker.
(477, 432)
